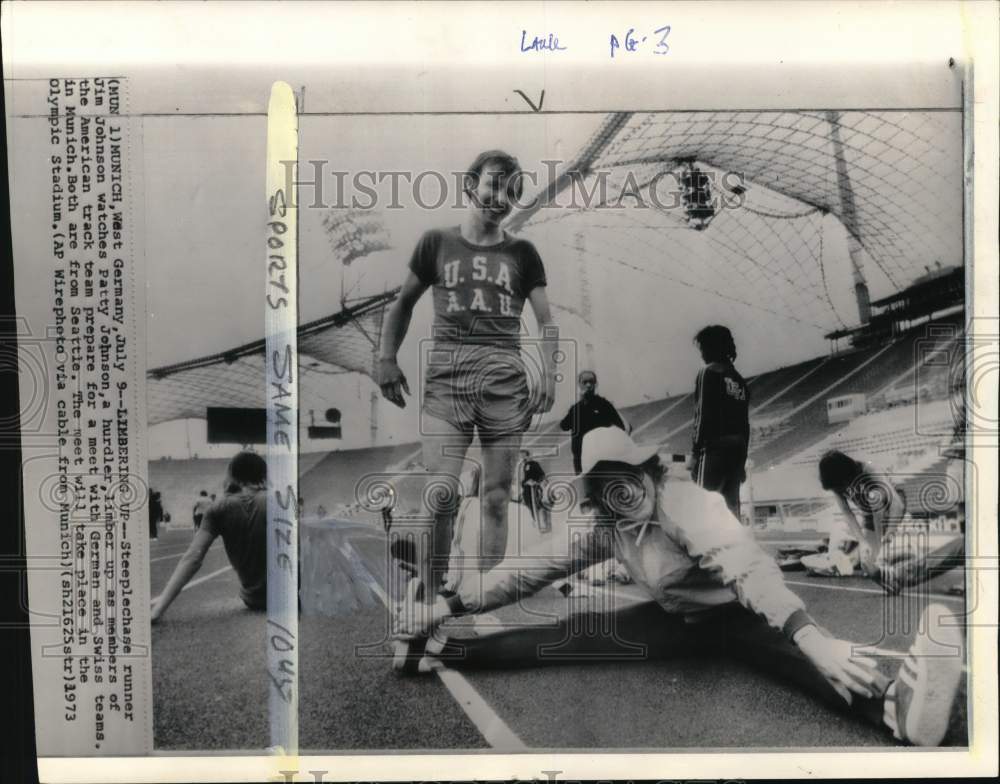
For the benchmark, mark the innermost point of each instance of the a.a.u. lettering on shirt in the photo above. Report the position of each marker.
(488, 298)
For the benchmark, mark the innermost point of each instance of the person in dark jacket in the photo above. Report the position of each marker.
(590, 411)
(532, 478)
(155, 513)
(721, 435)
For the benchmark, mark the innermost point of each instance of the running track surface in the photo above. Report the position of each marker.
(210, 693)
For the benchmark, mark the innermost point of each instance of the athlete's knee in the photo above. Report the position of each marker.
(495, 499)
(441, 495)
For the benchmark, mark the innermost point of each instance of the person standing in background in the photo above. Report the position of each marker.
(531, 476)
(721, 434)
(155, 513)
(589, 412)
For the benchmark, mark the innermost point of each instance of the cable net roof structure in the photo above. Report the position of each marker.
(346, 342)
(892, 179)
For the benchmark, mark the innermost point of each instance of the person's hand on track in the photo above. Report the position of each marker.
(845, 670)
(415, 618)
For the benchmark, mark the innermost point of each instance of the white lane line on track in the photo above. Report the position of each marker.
(492, 727)
(942, 596)
(489, 724)
(207, 577)
(167, 557)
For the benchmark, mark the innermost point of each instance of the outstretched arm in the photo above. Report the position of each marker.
(700, 521)
(868, 542)
(726, 548)
(189, 565)
(511, 581)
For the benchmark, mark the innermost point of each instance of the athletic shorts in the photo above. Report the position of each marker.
(482, 388)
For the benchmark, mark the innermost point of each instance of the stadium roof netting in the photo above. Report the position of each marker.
(346, 342)
(893, 179)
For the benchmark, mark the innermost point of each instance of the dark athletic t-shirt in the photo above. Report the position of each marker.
(479, 291)
(241, 520)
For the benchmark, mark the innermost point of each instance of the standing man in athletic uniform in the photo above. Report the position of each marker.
(721, 436)
(240, 518)
(475, 378)
(590, 411)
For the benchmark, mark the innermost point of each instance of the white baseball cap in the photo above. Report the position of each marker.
(612, 444)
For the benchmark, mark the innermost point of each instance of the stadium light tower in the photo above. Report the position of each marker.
(850, 218)
(354, 234)
(697, 197)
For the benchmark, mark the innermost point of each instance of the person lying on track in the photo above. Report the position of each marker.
(722, 594)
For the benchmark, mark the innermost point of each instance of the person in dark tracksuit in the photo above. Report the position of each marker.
(532, 477)
(721, 434)
(589, 412)
(155, 513)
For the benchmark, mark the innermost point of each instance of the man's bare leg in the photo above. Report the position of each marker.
(444, 458)
(499, 456)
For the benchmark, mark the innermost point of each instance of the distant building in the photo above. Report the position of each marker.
(845, 407)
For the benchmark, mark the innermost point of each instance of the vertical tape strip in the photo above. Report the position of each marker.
(281, 384)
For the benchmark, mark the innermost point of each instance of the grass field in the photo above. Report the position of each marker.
(210, 692)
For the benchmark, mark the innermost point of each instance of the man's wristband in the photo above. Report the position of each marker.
(797, 624)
